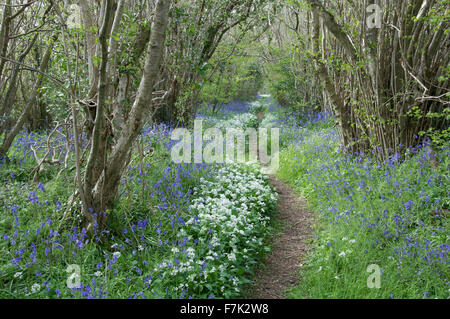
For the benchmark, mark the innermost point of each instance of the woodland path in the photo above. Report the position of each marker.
(290, 245)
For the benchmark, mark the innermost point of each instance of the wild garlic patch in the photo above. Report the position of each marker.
(233, 211)
(239, 121)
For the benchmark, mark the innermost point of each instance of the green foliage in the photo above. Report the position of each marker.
(394, 215)
(290, 79)
(240, 77)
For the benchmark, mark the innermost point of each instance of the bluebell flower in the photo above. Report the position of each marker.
(41, 187)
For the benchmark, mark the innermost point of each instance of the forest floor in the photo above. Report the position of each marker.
(289, 247)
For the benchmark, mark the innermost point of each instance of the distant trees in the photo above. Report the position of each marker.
(197, 28)
(237, 76)
(290, 71)
(276, 53)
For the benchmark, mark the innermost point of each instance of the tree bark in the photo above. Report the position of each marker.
(329, 87)
(90, 30)
(98, 152)
(106, 187)
(331, 24)
(4, 36)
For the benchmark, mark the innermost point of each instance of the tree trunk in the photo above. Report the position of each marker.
(102, 195)
(4, 36)
(90, 27)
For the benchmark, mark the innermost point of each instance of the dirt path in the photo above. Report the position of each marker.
(280, 270)
(289, 248)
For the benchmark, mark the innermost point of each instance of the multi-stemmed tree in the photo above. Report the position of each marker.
(385, 67)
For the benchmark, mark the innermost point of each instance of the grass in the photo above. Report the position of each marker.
(393, 215)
